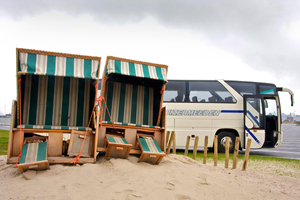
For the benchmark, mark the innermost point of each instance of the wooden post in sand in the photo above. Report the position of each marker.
(170, 142)
(246, 155)
(205, 149)
(167, 138)
(215, 150)
(236, 152)
(174, 144)
(188, 138)
(226, 152)
(195, 147)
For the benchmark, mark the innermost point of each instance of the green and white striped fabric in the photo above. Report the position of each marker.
(118, 140)
(150, 145)
(130, 124)
(56, 101)
(78, 128)
(58, 66)
(33, 152)
(137, 70)
(129, 104)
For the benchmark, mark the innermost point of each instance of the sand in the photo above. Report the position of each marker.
(176, 177)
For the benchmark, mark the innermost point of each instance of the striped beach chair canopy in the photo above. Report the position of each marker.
(57, 64)
(134, 68)
(133, 91)
(57, 89)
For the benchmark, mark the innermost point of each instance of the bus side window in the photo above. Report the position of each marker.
(175, 91)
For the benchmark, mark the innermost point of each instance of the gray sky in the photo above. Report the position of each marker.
(239, 40)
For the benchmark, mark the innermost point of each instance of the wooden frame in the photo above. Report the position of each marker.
(54, 158)
(130, 136)
(150, 157)
(40, 165)
(117, 150)
(76, 143)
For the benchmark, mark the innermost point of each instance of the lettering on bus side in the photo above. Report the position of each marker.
(194, 112)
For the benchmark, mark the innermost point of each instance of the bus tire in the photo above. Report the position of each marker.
(222, 141)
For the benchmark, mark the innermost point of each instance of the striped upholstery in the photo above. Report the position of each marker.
(117, 140)
(58, 66)
(78, 128)
(129, 104)
(54, 101)
(130, 124)
(149, 145)
(33, 152)
(136, 70)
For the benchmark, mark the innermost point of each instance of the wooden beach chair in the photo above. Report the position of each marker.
(132, 93)
(56, 95)
(151, 151)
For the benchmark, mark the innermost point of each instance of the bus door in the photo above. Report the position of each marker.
(254, 121)
(273, 121)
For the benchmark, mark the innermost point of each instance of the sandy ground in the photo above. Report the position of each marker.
(176, 177)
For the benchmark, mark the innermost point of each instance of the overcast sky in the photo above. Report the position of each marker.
(236, 40)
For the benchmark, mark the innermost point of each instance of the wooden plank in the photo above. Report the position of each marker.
(130, 136)
(16, 142)
(167, 137)
(55, 144)
(39, 165)
(195, 148)
(227, 152)
(174, 144)
(76, 143)
(159, 139)
(67, 160)
(236, 152)
(188, 138)
(215, 150)
(151, 157)
(12, 122)
(205, 149)
(97, 131)
(170, 142)
(101, 137)
(246, 155)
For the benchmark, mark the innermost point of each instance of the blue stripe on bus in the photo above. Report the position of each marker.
(252, 135)
(232, 111)
(254, 119)
(241, 111)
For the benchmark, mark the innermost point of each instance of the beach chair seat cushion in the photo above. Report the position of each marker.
(78, 128)
(34, 156)
(130, 124)
(151, 151)
(117, 147)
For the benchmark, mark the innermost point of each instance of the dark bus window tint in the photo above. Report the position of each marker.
(267, 89)
(209, 91)
(175, 91)
(243, 88)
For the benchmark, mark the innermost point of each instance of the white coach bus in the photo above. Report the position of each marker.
(227, 109)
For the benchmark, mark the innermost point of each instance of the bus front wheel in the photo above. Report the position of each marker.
(222, 141)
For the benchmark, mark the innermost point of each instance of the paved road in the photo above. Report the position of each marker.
(4, 128)
(290, 147)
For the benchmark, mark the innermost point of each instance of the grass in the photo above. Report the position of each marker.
(3, 142)
(265, 164)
